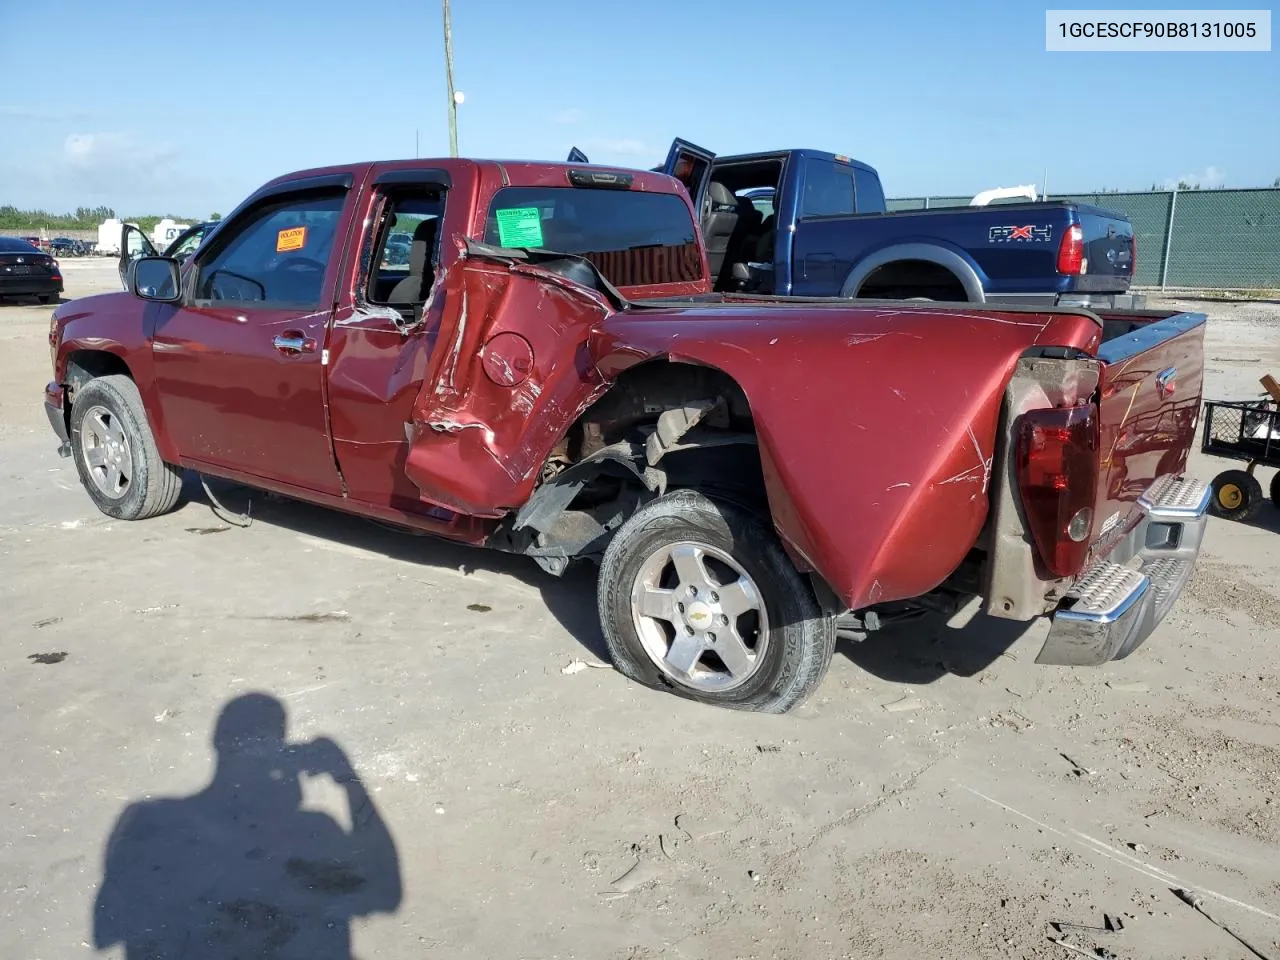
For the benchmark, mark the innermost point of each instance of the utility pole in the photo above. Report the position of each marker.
(448, 69)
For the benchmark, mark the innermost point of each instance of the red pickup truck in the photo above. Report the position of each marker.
(551, 375)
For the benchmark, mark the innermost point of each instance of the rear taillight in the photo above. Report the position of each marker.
(1057, 466)
(1071, 250)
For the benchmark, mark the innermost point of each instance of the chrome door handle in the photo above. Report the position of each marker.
(294, 343)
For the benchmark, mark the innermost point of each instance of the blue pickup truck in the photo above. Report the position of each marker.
(809, 223)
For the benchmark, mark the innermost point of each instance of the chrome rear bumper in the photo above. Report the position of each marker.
(1120, 600)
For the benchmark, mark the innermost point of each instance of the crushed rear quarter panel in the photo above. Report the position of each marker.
(876, 423)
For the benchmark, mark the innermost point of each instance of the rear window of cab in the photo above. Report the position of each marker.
(633, 238)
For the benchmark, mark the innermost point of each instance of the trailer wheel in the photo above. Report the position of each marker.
(1237, 495)
(1275, 490)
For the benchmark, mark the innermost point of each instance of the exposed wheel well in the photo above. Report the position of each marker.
(661, 426)
(913, 278)
(85, 365)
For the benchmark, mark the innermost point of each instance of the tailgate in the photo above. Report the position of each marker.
(1149, 405)
(1109, 245)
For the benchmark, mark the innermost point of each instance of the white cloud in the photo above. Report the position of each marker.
(568, 116)
(96, 153)
(130, 172)
(116, 169)
(1211, 176)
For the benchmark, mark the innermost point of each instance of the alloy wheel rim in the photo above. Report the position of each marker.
(700, 616)
(108, 457)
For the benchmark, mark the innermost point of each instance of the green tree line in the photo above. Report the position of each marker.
(84, 218)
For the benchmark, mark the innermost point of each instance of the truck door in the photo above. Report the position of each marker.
(133, 244)
(239, 362)
(380, 343)
(691, 165)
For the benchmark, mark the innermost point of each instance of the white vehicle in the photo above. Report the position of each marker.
(1025, 192)
(109, 238)
(166, 231)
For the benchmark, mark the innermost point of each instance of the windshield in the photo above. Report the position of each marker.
(633, 238)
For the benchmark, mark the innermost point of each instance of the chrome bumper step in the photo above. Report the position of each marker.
(1171, 498)
(1106, 592)
(1121, 599)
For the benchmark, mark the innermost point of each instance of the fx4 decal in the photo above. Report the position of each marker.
(1031, 233)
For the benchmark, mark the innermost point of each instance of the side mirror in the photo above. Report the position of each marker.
(155, 278)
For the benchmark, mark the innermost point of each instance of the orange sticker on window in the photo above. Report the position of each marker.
(295, 238)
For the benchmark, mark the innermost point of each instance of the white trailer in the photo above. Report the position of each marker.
(109, 237)
(166, 232)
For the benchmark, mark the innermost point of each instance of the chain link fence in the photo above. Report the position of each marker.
(1187, 239)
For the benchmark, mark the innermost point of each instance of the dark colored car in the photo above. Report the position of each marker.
(68, 247)
(28, 272)
(397, 252)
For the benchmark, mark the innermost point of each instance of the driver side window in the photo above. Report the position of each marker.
(276, 257)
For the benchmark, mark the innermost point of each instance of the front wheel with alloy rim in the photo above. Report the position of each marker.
(698, 597)
(115, 454)
(1237, 495)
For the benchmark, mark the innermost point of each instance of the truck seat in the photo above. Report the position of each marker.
(412, 288)
(742, 244)
(764, 241)
(718, 225)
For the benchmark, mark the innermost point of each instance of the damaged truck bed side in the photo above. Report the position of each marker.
(551, 375)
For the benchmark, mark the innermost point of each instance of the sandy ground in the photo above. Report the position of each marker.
(942, 796)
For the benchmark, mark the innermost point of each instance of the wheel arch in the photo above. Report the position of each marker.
(84, 364)
(80, 364)
(701, 435)
(954, 262)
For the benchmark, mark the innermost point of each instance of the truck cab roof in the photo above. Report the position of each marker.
(638, 227)
(800, 154)
(516, 173)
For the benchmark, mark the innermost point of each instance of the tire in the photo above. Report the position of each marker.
(720, 542)
(107, 416)
(1275, 490)
(1237, 495)
(45, 298)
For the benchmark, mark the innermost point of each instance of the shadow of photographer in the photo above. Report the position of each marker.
(242, 869)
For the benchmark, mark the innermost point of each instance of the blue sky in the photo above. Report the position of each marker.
(154, 107)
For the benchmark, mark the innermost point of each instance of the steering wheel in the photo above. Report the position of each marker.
(299, 263)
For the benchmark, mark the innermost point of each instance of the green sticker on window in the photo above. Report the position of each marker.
(520, 227)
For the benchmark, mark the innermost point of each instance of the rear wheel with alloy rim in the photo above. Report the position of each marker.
(698, 597)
